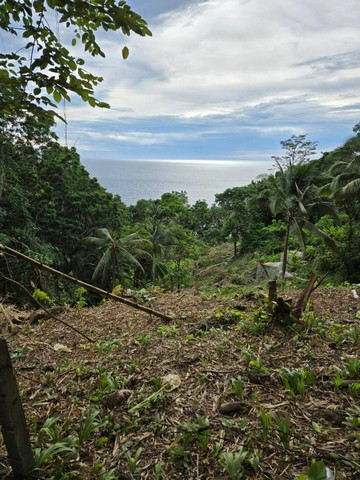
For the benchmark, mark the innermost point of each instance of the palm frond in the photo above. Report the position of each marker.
(297, 229)
(320, 233)
(103, 267)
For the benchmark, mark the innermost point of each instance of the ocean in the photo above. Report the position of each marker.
(149, 179)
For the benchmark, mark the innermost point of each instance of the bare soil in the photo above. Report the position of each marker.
(188, 420)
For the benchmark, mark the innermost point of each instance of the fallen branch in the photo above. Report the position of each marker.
(48, 312)
(87, 286)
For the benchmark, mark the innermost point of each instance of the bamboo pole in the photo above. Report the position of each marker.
(87, 286)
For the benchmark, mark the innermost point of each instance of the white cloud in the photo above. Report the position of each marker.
(270, 68)
(215, 56)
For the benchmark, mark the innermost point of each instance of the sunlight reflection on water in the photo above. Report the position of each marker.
(201, 179)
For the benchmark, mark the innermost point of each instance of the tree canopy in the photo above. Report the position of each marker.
(43, 70)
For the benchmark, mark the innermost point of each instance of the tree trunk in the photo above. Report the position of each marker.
(2, 165)
(304, 297)
(286, 247)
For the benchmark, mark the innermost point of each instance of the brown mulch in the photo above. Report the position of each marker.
(62, 374)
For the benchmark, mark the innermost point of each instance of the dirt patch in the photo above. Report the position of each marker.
(222, 352)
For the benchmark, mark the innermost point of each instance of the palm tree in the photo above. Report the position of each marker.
(293, 194)
(346, 182)
(344, 188)
(161, 238)
(117, 254)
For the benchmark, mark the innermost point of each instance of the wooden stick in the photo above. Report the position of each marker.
(87, 286)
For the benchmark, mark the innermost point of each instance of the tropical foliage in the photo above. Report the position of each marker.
(52, 210)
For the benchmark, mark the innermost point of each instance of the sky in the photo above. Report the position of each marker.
(224, 80)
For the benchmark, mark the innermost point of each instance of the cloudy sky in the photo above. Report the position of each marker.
(224, 80)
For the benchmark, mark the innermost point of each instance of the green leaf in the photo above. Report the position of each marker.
(316, 427)
(125, 53)
(57, 96)
(317, 471)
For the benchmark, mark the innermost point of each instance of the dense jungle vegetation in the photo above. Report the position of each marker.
(51, 210)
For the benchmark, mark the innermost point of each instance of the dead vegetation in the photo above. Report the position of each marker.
(218, 392)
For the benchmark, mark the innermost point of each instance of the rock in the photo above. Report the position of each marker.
(117, 398)
(234, 407)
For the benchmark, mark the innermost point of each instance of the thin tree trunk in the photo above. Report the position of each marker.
(304, 297)
(2, 165)
(286, 246)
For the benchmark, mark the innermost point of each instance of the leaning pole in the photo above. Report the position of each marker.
(87, 286)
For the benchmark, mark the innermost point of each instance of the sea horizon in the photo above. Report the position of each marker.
(147, 179)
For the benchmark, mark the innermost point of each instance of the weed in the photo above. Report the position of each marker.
(259, 321)
(317, 471)
(352, 365)
(296, 382)
(353, 417)
(233, 463)
(354, 334)
(237, 387)
(110, 475)
(158, 470)
(80, 298)
(257, 365)
(42, 297)
(265, 420)
(43, 456)
(50, 429)
(106, 346)
(133, 461)
(142, 339)
(254, 460)
(219, 350)
(311, 322)
(198, 432)
(18, 353)
(354, 389)
(157, 382)
(88, 425)
(283, 426)
(217, 449)
(168, 330)
(316, 427)
(239, 425)
(339, 377)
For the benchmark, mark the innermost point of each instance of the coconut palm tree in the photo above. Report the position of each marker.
(117, 255)
(346, 182)
(161, 239)
(293, 194)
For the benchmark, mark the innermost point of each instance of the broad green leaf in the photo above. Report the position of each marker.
(317, 471)
(125, 53)
(57, 96)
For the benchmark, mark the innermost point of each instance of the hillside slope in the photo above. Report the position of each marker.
(238, 383)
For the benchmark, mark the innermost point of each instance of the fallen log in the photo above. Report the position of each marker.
(87, 286)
